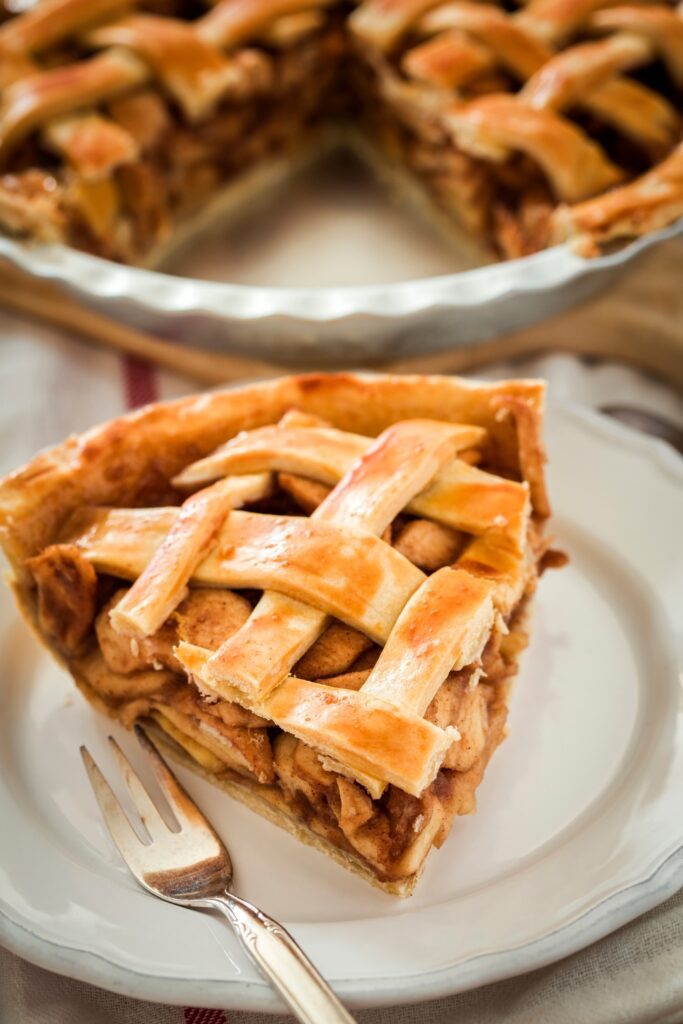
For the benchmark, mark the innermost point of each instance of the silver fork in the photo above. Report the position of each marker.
(190, 866)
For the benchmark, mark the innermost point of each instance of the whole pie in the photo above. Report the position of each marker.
(523, 122)
(315, 590)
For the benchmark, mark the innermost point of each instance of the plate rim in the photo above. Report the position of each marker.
(156, 292)
(604, 917)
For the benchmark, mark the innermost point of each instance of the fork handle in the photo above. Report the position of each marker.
(283, 962)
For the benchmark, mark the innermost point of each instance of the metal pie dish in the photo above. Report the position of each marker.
(328, 326)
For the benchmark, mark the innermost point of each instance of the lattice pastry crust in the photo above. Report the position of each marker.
(528, 123)
(322, 610)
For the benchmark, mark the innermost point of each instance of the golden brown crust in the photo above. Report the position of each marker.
(129, 461)
(67, 594)
(492, 126)
(650, 202)
(158, 590)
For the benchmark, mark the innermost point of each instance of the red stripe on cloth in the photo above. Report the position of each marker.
(140, 383)
(195, 1015)
(215, 1017)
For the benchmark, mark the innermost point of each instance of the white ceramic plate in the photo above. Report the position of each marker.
(579, 828)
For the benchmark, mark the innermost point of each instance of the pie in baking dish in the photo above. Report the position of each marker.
(316, 590)
(525, 122)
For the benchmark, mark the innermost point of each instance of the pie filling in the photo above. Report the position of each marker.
(524, 126)
(393, 834)
(82, 588)
(135, 171)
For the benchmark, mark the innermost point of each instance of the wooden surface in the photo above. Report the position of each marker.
(640, 321)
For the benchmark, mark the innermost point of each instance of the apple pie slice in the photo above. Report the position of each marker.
(315, 589)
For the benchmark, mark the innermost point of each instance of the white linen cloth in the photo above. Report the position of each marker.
(53, 385)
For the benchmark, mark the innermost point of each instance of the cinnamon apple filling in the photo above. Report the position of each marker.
(143, 679)
(118, 181)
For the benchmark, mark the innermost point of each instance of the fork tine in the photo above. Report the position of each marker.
(144, 805)
(182, 805)
(120, 828)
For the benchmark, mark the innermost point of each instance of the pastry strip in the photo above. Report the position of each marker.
(366, 735)
(162, 584)
(443, 628)
(366, 582)
(460, 496)
(396, 465)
